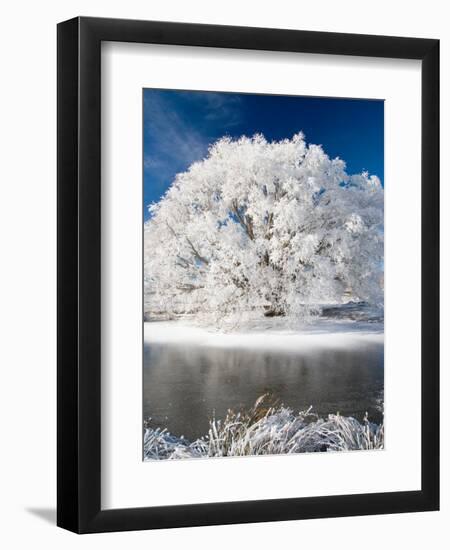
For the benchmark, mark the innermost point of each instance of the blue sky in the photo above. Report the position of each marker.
(180, 125)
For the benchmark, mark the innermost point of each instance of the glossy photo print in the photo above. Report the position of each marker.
(263, 274)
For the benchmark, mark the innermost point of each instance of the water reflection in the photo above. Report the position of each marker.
(185, 386)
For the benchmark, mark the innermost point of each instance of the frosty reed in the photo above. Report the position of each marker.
(267, 429)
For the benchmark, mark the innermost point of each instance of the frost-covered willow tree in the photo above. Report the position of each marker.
(268, 228)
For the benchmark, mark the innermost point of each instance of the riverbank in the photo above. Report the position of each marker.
(268, 333)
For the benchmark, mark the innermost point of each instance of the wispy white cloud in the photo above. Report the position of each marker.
(171, 137)
(179, 128)
(220, 107)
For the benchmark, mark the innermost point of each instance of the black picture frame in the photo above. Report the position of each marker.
(79, 280)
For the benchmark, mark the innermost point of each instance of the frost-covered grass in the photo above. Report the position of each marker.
(267, 429)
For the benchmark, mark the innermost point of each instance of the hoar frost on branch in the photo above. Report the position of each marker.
(270, 228)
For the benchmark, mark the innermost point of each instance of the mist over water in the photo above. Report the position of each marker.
(185, 386)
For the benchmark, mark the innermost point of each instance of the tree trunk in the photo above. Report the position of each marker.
(274, 312)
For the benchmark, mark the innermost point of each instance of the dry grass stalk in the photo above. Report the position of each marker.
(268, 428)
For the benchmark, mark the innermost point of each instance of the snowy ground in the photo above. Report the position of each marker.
(268, 333)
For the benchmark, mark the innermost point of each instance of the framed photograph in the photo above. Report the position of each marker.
(248, 275)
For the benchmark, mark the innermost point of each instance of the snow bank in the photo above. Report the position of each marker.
(267, 334)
